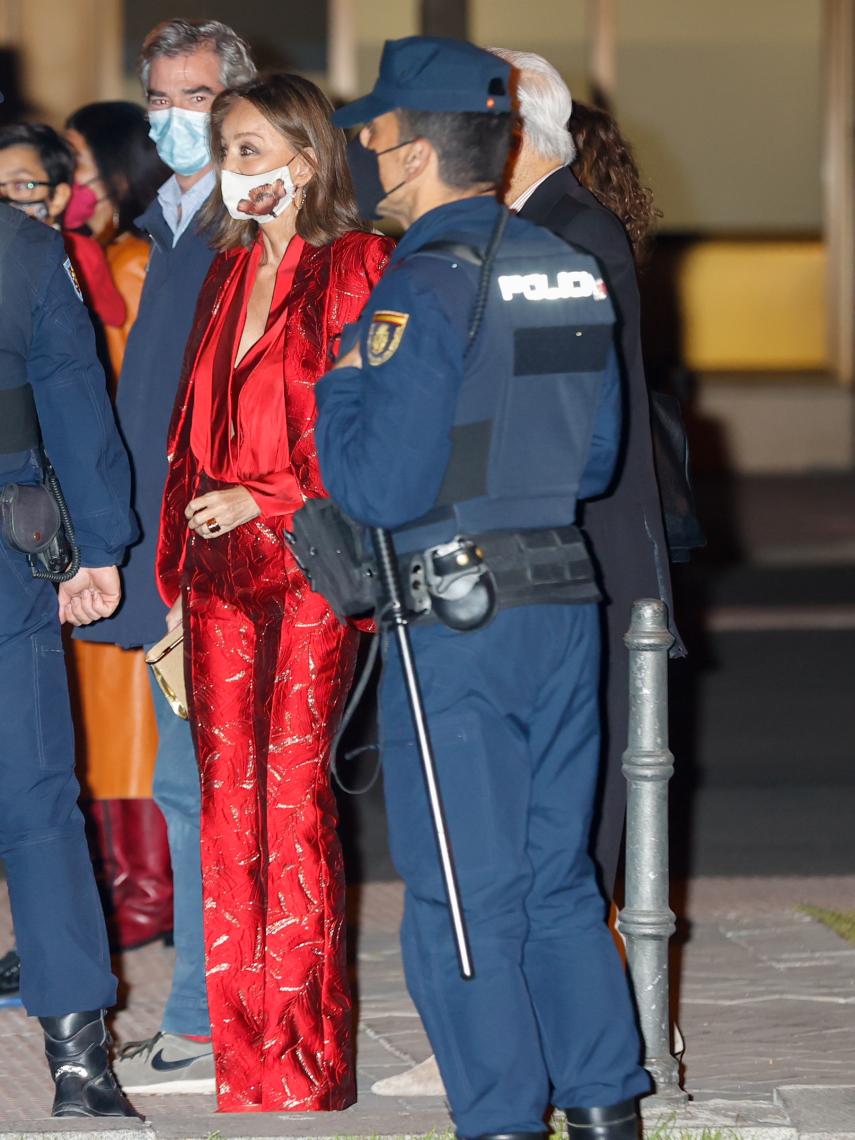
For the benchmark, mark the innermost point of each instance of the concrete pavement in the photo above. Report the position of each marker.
(765, 999)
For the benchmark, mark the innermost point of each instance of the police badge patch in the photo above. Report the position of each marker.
(72, 277)
(385, 334)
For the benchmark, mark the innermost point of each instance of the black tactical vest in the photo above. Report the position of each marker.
(531, 387)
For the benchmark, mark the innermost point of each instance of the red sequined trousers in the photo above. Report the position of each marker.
(270, 667)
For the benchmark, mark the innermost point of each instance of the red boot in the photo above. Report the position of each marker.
(132, 857)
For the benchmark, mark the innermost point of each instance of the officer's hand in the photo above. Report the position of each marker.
(175, 616)
(351, 359)
(218, 512)
(93, 593)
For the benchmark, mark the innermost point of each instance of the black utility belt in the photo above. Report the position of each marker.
(462, 583)
(465, 582)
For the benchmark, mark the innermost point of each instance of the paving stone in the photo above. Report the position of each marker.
(820, 1113)
(765, 996)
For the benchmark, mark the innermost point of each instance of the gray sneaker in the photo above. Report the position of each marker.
(166, 1063)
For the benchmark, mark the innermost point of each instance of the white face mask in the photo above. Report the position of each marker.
(257, 197)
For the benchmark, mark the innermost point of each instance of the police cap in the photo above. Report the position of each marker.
(431, 73)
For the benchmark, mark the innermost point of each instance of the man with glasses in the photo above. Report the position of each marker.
(36, 170)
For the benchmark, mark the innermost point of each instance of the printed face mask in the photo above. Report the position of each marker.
(181, 138)
(81, 205)
(257, 197)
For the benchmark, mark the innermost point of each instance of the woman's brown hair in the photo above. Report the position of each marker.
(606, 166)
(301, 113)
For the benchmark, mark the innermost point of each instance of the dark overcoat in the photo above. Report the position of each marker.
(625, 527)
(146, 395)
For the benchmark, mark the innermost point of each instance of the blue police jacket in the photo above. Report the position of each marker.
(46, 340)
(146, 395)
(385, 430)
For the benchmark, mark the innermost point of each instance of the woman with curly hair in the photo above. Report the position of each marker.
(605, 165)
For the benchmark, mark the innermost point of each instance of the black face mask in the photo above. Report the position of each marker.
(38, 210)
(365, 172)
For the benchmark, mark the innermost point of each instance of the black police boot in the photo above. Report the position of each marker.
(617, 1122)
(10, 974)
(511, 1136)
(76, 1049)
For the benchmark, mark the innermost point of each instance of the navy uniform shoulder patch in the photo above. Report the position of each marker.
(385, 334)
(72, 277)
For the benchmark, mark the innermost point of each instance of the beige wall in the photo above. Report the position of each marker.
(377, 21)
(70, 52)
(555, 29)
(558, 27)
(772, 428)
(721, 99)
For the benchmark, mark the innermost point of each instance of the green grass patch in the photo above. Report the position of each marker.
(842, 922)
(663, 1132)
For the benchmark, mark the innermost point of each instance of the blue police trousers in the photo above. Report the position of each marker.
(59, 923)
(513, 715)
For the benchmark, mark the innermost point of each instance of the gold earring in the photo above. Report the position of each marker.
(298, 201)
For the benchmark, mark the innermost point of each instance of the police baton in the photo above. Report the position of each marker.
(387, 563)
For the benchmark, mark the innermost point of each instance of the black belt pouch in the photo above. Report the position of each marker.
(29, 517)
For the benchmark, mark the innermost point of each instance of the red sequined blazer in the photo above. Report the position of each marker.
(331, 285)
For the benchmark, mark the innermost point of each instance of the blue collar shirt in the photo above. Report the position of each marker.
(180, 208)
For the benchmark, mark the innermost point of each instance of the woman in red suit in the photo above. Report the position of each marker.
(268, 663)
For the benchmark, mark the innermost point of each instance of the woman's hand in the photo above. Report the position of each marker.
(176, 615)
(351, 359)
(218, 512)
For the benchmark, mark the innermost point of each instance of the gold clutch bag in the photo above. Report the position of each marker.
(167, 663)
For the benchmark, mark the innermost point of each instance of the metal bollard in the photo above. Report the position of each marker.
(647, 920)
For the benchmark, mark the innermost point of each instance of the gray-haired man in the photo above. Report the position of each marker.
(625, 527)
(183, 66)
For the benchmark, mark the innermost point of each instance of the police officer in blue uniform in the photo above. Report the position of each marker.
(52, 386)
(474, 403)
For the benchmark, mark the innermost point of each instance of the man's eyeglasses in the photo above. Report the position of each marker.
(23, 190)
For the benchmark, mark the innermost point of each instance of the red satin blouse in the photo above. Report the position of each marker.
(277, 461)
(239, 431)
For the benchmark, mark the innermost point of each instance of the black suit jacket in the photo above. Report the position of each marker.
(625, 527)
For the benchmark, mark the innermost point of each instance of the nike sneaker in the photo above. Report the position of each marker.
(10, 974)
(166, 1063)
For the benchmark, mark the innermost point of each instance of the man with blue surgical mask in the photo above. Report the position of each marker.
(183, 66)
(180, 89)
(181, 83)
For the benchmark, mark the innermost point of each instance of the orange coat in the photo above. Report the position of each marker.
(127, 257)
(116, 729)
